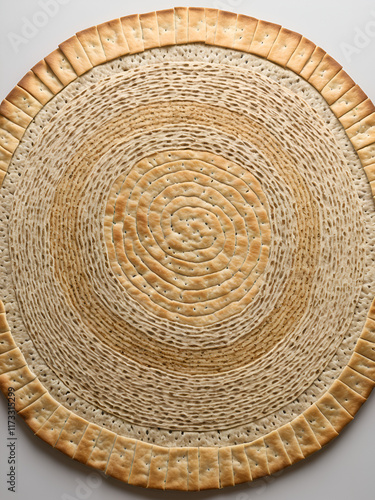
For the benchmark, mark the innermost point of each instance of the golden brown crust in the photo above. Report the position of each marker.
(121, 459)
(337, 87)
(356, 114)
(327, 69)
(158, 468)
(11, 360)
(113, 39)
(99, 456)
(264, 37)
(16, 379)
(6, 342)
(193, 469)
(47, 76)
(166, 27)
(196, 25)
(90, 41)
(208, 468)
(257, 457)
(312, 63)
(348, 399)
(76, 55)
(226, 475)
(334, 412)
(348, 101)
(357, 382)
(24, 101)
(225, 29)
(363, 365)
(277, 457)
(240, 465)
(87, 443)
(211, 23)
(284, 47)
(7, 140)
(245, 30)
(290, 442)
(14, 132)
(150, 30)
(5, 158)
(177, 474)
(131, 26)
(362, 133)
(320, 425)
(61, 67)
(35, 87)
(71, 435)
(14, 114)
(53, 426)
(307, 441)
(301, 55)
(141, 465)
(181, 24)
(38, 412)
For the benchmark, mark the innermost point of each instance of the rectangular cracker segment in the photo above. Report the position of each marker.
(357, 382)
(348, 101)
(76, 55)
(90, 41)
(348, 399)
(356, 114)
(53, 426)
(320, 425)
(208, 468)
(370, 172)
(211, 16)
(5, 159)
(362, 133)
(24, 101)
(245, 30)
(4, 327)
(113, 39)
(131, 26)
(334, 412)
(141, 465)
(158, 468)
(337, 87)
(11, 128)
(193, 469)
(327, 69)
(36, 414)
(166, 27)
(363, 365)
(365, 348)
(307, 441)
(34, 86)
(240, 464)
(150, 30)
(277, 457)
(196, 25)
(301, 55)
(16, 379)
(368, 332)
(177, 474)
(62, 68)
(11, 360)
(312, 63)
(71, 435)
(257, 457)
(6, 342)
(284, 47)
(47, 76)
(7, 140)
(87, 443)
(121, 459)
(102, 449)
(14, 114)
(226, 29)
(264, 37)
(367, 155)
(226, 475)
(28, 393)
(181, 16)
(290, 442)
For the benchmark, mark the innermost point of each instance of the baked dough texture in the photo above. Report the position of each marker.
(187, 248)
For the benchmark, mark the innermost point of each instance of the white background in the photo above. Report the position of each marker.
(342, 470)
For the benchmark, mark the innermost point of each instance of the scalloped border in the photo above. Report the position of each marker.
(188, 468)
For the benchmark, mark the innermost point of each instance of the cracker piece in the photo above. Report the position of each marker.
(131, 26)
(24, 101)
(371, 313)
(356, 381)
(257, 456)
(357, 113)
(362, 365)
(348, 399)
(367, 155)
(62, 68)
(53, 426)
(102, 450)
(14, 114)
(181, 15)
(47, 76)
(240, 463)
(177, 474)
(141, 465)
(113, 39)
(320, 425)
(290, 443)
(121, 459)
(6, 342)
(76, 55)
(193, 469)
(28, 393)
(301, 55)
(71, 435)
(35, 87)
(90, 41)
(211, 23)
(226, 29)
(365, 348)
(306, 438)
(16, 379)
(4, 327)
(150, 30)
(337, 87)
(196, 25)
(264, 37)
(226, 474)
(11, 360)
(166, 27)
(87, 443)
(312, 63)
(158, 468)
(368, 332)
(277, 457)
(13, 132)
(327, 69)
(5, 159)
(208, 468)
(284, 47)
(362, 134)
(333, 411)
(37, 413)
(7, 140)
(245, 30)
(348, 101)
